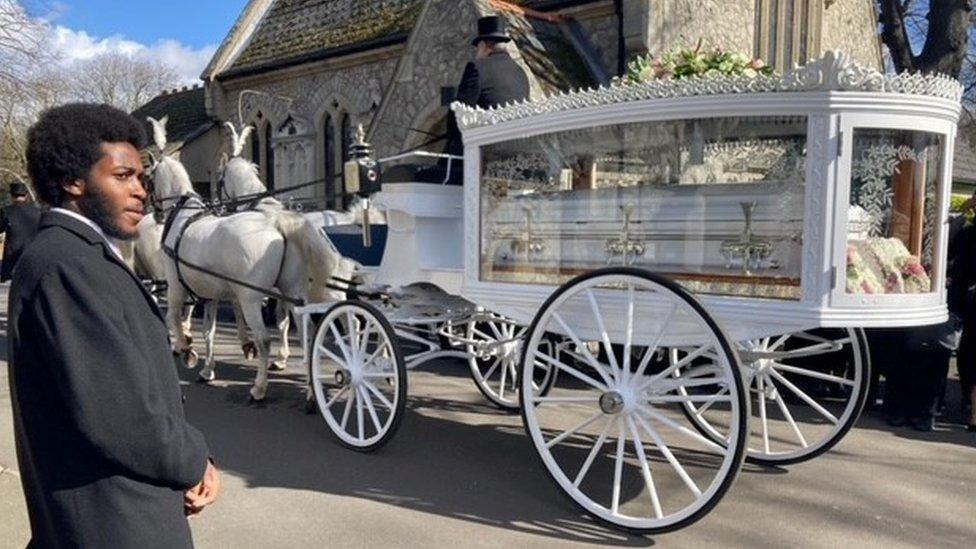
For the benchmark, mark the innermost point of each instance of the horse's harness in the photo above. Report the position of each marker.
(174, 252)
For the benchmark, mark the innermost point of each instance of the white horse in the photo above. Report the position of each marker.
(247, 249)
(355, 215)
(241, 179)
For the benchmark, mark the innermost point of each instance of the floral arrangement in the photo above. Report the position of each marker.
(884, 266)
(682, 62)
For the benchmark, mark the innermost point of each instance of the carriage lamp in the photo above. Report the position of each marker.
(361, 174)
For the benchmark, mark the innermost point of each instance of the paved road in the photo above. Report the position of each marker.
(461, 474)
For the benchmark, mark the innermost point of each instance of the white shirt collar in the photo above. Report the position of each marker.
(111, 244)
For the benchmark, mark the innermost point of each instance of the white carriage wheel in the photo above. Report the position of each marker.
(611, 432)
(358, 375)
(495, 357)
(806, 393)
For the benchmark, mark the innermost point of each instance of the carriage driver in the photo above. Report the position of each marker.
(107, 458)
(492, 79)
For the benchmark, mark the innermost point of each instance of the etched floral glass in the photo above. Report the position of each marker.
(894, 203)
(715, 204)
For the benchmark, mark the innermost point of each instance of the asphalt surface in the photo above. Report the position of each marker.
(460, 473)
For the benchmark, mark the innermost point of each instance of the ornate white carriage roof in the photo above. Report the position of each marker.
(834, 71)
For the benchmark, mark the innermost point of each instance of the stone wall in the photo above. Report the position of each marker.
(850, 26)
(730, 24)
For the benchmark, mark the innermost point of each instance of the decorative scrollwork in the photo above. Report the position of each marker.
(833, 71)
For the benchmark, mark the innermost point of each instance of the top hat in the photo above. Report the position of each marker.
(18, 189)
(491, 29)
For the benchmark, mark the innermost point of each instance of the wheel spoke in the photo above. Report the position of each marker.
(359, 416)
(675, 383)
(501, 382)
(708, 404)
(491, 370)
(614, 367)
(352, 326)
(682, 429)
(629, 341)
(600, 441)
(814, 374)
(498, 334)
(546, 399)
(571, 371)
(335, 397)
(668, 455)
(335, 358)
(345, 413)
(688, 398)
(586, 351)
(805, 397)
(573, 430)
(649, 353)
(762, 412)
(369, 361)
(670, 369)
(379, 395)
(645, 469)
(618, 469)
(786, 413)
(341, 343)
(371, 409)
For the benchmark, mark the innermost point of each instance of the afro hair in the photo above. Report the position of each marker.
(66, 142)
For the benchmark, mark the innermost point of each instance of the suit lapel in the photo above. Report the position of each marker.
(86, 233)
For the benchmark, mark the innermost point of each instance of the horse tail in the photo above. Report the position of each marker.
(321, 258)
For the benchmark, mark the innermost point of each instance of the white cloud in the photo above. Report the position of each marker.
(74, 45)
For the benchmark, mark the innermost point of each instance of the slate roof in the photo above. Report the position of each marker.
(550, 53)
(188, 118)
(294, 29)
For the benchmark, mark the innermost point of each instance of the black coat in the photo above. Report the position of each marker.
(105, 452)
(19, 221)
(489, 82)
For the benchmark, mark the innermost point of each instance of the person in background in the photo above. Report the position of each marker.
(107, 458)
(492, 79)
(18, 222)
(962, 301)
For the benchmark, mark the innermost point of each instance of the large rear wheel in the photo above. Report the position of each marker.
(610, 430)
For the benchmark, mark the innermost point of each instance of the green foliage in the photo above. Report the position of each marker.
(956, 203)
(682, 62)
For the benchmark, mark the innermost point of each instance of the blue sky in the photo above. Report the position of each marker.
(181, 33)
(194, 23)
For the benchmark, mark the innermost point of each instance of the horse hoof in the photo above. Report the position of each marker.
(257, 395)
(206, 378)
(277, 366)
(310, 406)
(250, 350)
(190, 358)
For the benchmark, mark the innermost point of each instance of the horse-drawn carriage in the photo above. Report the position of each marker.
(665, 278)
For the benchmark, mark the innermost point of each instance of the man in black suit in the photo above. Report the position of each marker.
(107, 458)
(19, 222)
(492, 79)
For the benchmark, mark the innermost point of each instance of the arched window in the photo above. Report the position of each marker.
(346, 136)
(255, 149)
(328, 158)
(269, 179)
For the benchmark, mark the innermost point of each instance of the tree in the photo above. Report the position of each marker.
(127, 82)
(21, 43)
(933, 36)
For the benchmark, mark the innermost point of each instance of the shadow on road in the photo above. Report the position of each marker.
(487, 473)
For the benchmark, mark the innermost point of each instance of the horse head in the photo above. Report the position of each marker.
(168, 178)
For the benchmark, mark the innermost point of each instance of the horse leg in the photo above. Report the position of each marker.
(187, 324)
(209, 333)
(283, 314)
(252, 316)
(174, 317)
(247, 344)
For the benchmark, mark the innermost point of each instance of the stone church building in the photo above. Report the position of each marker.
(305, 73)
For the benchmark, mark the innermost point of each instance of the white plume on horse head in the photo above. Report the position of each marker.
(159, 131)
(171, 179)
(238, 139)
(241, 178)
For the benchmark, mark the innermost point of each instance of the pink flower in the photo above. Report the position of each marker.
(867, 287)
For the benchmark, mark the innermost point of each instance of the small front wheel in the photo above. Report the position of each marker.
(358, 375)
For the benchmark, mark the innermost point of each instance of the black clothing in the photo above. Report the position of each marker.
(19, 221)
(105, 452)
(489, 82)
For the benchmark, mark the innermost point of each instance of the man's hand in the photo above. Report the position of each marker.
(204, 493)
